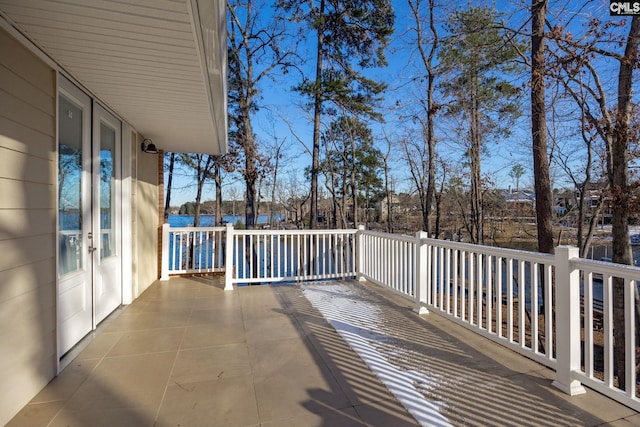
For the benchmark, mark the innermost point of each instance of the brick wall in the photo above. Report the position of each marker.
(160, 207)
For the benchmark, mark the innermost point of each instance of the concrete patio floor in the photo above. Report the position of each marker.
(186, 353)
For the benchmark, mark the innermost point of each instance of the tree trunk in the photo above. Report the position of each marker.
(221, 242)
(167, 204)
(427, 59)
(431, 112)
(354, 185)
(196, 213)
(436, 231)
(317, 110)
(542, 182)
(218, 206)
(387, 191)
(618, 178)
(250, 172)
(474, 153)
(273, 187)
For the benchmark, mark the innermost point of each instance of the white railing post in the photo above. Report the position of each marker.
(228, 259)
(360, 254)
(164, 259)
(422, 273)
(568, 321)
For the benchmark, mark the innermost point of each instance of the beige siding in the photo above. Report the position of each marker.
(146, 219)
(27, 225)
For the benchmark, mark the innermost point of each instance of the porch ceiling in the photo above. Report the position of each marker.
(159, 64)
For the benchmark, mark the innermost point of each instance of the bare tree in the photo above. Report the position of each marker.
(255, 52)
(388, 191)
(575, 61)
(167, 204)
(202, 166)
(427, 45)
(276, 157)
(416, 156)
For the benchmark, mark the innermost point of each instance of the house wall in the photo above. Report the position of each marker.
(28, 185)
(27, 225)
(145, 202)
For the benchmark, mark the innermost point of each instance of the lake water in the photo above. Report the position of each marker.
(210, 220)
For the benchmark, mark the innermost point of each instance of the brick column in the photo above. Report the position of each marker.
(160, 207)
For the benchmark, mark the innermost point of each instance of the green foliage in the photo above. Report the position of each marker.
(354, 35)
(188, 208)
(346, 90)
(351, 28)
(350, 150)
(480, 63)
(516, 173)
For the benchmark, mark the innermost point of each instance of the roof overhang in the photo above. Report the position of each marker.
(159, 64)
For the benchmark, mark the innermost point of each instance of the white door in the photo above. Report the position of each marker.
(106, 213)
(89, 236)
(75, 269)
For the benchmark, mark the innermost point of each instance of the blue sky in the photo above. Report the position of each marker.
(281, 111)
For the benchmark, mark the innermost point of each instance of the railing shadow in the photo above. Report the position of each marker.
(343, 370)
(471, 380)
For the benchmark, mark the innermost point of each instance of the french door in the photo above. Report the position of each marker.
(89, 219)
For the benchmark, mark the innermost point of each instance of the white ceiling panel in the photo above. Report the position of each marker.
(159, 64)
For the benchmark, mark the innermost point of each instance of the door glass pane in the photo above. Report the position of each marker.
(107, 191)
(70, 187)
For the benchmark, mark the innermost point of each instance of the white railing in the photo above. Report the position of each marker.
(555, 309)
(486, 289)
(388, 259)
(267, 256)
(505, 295)
(189, 250)
(598, 282)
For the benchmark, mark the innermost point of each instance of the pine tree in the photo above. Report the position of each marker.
(478, 59)
(351, 36)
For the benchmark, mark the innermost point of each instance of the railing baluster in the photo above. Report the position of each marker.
(480, 291)
(607, 297)
(456, 267)
(471, 280)
(587, 304)
(522, 298)
(534, 307)
(629, 336)
(549, 301)
(499, 305)
(405, 278)
(447, 279)
(510, 299)
(463, 285)
(489, 286)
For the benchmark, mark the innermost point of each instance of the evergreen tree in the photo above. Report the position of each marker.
(351, 36)
(352, 165)
(477, 60)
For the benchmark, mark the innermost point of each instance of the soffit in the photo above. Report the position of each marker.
(159, 64)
